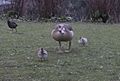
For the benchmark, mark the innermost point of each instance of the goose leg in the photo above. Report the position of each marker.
(69, 45)
(68, 50)
(59, 44)
(60, 48)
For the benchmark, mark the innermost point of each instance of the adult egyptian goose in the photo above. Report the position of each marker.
(63, 33)
(83, 41)
(42, 54)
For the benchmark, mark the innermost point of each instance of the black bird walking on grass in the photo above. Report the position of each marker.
(12, 25)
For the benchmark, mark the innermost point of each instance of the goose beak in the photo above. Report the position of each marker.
(61, 32)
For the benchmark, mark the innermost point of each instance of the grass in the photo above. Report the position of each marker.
(99, 61)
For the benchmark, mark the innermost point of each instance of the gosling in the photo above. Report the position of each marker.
(42, 54)
(83, 41)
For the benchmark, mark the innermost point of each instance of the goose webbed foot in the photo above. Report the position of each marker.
(60, 51)
(67, 50)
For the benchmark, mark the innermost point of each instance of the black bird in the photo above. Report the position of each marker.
(12, 25)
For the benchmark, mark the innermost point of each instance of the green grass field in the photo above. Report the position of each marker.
(99, 61)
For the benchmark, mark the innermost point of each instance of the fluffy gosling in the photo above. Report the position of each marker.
(42, 54)
(83, 41)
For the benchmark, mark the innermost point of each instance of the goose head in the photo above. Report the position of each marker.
(62, 32)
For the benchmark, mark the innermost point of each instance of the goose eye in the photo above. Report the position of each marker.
(59, 26)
